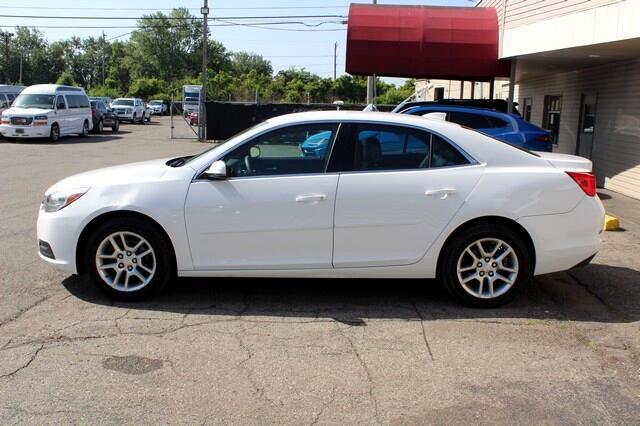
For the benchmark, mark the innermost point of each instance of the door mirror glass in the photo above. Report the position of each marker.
(217, 171)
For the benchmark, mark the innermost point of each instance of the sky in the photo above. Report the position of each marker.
(312, 50)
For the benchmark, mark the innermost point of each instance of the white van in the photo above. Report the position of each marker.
(47, 110)
(8, 94)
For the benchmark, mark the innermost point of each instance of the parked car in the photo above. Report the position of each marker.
(107, 100)
(129, 109)
(103, 116)
(47, 110)
(193, 118)
(499, 105)
(506, 127)
(8, 94)
(479, 214)
(158, 107)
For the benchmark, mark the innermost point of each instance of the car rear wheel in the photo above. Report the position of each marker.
(100, 127)
(128, 259)
(116, 126)
(486, 266)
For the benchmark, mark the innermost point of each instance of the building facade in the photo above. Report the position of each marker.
(577, 73)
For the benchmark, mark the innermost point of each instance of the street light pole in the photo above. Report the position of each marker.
(202, 119)
(371, 83)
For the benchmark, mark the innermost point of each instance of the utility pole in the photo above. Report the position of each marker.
(21, 59)
(335, 58)
(371, 83)
(202, 119)
(6, 35)
(103, 47)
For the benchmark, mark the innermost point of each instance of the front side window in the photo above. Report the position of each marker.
(380, 147)
(60, 103)
(296, 149)
(72, 101)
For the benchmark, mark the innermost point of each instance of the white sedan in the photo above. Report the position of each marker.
(390, 196)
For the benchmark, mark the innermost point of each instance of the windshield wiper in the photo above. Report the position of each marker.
(180, 161)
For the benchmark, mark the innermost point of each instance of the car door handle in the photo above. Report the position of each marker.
(442, 193)
(311, 198)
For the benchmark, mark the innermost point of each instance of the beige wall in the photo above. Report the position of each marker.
(616, 152)
(452, 89)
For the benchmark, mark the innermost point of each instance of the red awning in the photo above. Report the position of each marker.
(424, 42)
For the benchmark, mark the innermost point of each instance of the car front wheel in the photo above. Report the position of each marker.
(486, 266)
(128, 259)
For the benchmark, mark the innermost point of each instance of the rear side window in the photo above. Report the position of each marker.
(379, 147)
(444, 154)
(470, 120)
(497, 123)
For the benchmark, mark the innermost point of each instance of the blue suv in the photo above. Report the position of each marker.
(510, 128)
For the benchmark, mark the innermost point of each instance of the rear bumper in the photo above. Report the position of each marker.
(563, 241)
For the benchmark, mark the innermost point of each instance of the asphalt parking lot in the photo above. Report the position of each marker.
(302, 351)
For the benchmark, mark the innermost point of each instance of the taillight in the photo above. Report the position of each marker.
(93, 111)
(586, 181)
(544, 138)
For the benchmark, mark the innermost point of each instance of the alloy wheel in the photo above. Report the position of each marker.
(487, 268)
(125, 261)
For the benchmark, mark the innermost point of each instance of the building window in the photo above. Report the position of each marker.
(526, 108)
(551, 115)
(438, 93)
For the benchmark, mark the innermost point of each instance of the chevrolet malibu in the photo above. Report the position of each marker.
(480, 215)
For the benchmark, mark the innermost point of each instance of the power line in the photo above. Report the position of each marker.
(192, 18)
(174, 8)
(259, 25)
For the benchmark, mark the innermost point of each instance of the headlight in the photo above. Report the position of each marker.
(58, 200)
(5, 119)
(127, 111)
(40, 120)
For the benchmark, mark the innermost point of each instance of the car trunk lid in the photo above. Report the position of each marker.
(567, 162)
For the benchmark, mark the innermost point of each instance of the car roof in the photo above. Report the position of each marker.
(441, 107)
(366, 116)
(53, 89)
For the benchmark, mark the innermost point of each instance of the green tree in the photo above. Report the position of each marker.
(146, 88)
(394, 95)
(243, 63)
(66, 78)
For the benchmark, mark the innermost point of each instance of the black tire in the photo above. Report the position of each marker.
(134, 119)
(54, 135)
(148, 118)
(164, 268)
(100, 127)
(142, 119)
(85, 129)
(456, 248)
(116, 127)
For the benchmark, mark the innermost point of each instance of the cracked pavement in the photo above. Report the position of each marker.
(267, 351)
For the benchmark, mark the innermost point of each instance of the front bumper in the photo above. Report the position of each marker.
(13, 131)
(60, 232)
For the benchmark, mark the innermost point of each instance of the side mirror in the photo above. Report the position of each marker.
(217, 171)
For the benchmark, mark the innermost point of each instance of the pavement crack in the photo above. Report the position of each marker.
(367, 371)
(25, 365)
(324, 407)
(424, 331)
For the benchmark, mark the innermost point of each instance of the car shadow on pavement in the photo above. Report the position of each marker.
(559, 296)
(66, 140)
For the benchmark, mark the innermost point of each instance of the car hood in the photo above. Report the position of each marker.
(18, 112)
(117, 175)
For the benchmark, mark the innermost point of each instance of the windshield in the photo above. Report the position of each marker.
(128, 102)
(155, 103)
(231, 139)
(35, 101)
(192, 100)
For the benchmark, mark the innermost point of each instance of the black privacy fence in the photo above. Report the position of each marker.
(225, 119)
